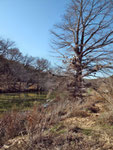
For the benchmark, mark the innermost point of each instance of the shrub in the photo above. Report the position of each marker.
(12, 124)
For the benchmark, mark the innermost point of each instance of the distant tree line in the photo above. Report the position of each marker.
(22, 73)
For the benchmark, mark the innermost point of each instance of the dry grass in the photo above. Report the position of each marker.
(79, 113)
(47, 129)
(11, 125)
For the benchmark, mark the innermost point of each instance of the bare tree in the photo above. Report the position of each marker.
(42, 64)
(42, 67)
(14, 54)
(28, 61)
(4, 46)
(84, 39)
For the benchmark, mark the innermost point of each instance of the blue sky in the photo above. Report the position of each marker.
(27, 22)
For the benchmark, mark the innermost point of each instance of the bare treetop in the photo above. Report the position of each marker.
(84, 38)
(86, 31)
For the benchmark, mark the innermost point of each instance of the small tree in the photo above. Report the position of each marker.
(42, 64)
(85, 38)
(14, 54)
(5, 45)
(42, 67)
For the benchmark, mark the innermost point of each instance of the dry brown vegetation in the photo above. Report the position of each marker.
(62, 125)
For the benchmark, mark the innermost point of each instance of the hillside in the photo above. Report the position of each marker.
(23, 76)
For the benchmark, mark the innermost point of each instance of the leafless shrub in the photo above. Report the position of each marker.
(103, 90)
(11, 125)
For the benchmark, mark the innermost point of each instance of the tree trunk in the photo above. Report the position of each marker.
(77, 83)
